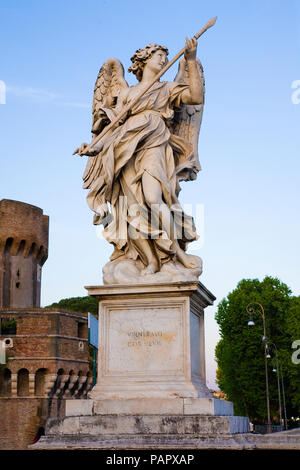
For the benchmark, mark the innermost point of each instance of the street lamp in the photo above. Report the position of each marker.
(278, 382)
(280, 375)
(251, 309)
(283, 395)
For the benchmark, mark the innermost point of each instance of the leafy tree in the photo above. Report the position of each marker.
(292, 370)
(240, 352)
(8, 326)
(78, 304)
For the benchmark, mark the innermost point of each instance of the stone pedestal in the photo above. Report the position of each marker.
(151, 341)
(150, 390)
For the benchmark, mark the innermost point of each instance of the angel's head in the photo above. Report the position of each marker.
(153, 54)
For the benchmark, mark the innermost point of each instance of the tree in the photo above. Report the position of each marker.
(240, 352)
(78, 304)
(292, 370)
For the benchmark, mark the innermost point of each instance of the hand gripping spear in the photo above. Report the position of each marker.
(123, 113)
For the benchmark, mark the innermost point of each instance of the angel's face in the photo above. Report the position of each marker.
(157, 61)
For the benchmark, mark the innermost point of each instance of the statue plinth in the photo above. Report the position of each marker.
(151, 341)
(150, 390)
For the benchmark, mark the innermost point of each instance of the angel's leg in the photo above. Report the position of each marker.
(153, 196)
(144, 247)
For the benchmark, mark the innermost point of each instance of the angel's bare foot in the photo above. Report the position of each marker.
(151, 268)
(188, 261)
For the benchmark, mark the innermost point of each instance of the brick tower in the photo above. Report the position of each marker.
(23, 251)
(46, 351)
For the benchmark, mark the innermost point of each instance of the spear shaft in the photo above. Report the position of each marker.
(127, 108)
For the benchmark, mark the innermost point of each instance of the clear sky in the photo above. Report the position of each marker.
(51, 51)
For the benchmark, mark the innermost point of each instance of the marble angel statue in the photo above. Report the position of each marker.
(133, 172)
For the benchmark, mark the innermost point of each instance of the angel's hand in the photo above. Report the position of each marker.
(82, 150)
(190, 49)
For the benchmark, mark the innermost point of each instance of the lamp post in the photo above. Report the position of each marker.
(277, 370)
(283, 396)
(251, 309)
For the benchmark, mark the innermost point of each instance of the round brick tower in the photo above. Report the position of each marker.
(23, 251)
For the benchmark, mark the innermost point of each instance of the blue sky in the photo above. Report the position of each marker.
(249, 143)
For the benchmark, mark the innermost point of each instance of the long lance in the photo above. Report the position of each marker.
(127, 108)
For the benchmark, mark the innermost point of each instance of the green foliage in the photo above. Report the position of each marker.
(240, 352)
(293, 370)
(8, 326)
(78, 304)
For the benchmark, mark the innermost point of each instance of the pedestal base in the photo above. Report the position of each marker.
(109, 424)
(150, 406)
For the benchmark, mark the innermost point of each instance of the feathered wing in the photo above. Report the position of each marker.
(186, 124)
(110, 82)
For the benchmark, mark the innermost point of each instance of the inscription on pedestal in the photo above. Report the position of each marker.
(145, 338)
(144, 341)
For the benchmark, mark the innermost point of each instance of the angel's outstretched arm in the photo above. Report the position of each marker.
(194, 94)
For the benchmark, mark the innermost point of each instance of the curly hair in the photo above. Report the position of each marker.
(141, 56)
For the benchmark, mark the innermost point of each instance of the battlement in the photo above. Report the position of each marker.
(23, 251)
(23, 230)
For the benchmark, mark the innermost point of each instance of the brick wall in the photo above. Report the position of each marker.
(47, 342)
(45, 333)
(20, 419)
(30, 324)
(23, 251)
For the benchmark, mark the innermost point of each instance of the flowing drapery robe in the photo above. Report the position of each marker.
(143, 143)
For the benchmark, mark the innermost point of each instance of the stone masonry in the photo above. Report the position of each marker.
(45, 351)
(23, 251)
(46, 362)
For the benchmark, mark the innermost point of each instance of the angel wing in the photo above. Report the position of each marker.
(110, 82)
(186, 124)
